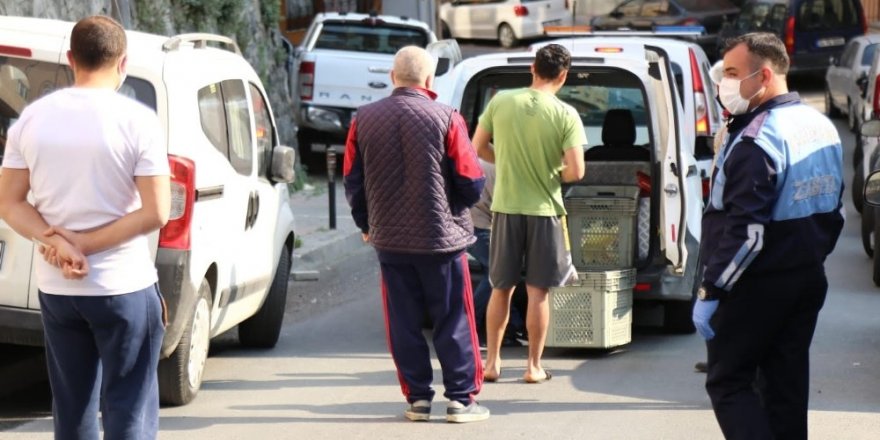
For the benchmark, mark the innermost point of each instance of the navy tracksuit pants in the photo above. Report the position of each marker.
(759, 360)
(103, 351)
(439, 286)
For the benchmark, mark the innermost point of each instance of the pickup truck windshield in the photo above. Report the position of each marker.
(385, 39)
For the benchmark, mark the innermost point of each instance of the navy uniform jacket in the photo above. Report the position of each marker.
(775, 200)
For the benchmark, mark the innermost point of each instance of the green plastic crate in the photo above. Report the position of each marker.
(594, 312)
(601, 226)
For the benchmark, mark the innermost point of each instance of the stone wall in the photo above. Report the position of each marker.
(252, 23)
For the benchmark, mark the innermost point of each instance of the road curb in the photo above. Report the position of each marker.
(320, 250)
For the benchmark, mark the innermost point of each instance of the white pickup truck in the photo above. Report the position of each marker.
(344, 62)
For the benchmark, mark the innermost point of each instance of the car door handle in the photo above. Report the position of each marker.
(253, 210)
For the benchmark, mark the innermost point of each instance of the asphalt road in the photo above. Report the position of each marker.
(331, 376)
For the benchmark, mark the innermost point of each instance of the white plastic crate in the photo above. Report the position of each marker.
(596, 312)
(601, 225)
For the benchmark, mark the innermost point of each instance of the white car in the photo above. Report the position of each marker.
(627, 101)
(507, 21)
(224, 257)
(842, 92)
(690, 68)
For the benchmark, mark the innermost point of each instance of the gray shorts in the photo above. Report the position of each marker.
(537, 244)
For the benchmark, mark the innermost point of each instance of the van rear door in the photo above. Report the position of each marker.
(681, 186)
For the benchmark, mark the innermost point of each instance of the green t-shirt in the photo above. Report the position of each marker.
(531, 130)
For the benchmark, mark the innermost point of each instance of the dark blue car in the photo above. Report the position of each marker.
(814, 31)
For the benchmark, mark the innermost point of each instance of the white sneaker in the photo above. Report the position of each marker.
(418, 411)
(457, 412)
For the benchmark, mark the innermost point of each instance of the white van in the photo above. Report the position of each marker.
(625, 94)
(224, 257)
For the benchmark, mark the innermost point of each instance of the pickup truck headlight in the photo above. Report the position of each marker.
(323, 119)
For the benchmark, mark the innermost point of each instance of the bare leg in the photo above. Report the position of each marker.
(497, 315)
(537, 321)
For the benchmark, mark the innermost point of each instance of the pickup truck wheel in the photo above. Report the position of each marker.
(830, 110)
(262, 329)
(868, 234)
(506, 36)
(858, 182)
(180, 376)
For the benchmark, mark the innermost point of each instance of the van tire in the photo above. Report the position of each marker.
(858, 183)
(868, 235)
(263, 329)
(678, 317)
(830, 110)
(180, 376)
(876, 265)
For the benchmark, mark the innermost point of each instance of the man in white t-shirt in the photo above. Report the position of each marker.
(96, 166)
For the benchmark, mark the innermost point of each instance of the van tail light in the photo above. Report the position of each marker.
(176, 233)
(877, 97)
(15, 51)
(520, 11)
(644, 182)
(701, 106)
(306, 80)
(642, 287)
(707, 186)
(789, 36)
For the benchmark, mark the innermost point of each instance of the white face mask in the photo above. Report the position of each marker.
(728, 92)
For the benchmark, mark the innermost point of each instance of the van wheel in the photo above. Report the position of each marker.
(858, 182)
(876, 260)
(506, 36)
(858, 153)
(868, 235)
(678, 317)
(830, 110)
(262, 329)
(180, 376)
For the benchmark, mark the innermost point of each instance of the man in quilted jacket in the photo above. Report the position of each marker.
(411, 176)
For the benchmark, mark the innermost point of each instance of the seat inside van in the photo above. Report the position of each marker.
(618, 139)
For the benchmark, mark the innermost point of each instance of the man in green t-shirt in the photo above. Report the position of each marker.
(538, 144)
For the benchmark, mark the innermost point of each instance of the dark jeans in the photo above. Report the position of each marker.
(104, 350)
(764, 330)
(480, 251)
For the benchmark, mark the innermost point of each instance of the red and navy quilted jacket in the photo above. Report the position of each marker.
(411, 174)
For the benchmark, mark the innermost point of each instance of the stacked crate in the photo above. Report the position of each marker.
(596, 310)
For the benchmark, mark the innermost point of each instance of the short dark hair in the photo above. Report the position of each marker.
(97, 42)
(551, 60)
(766, 47)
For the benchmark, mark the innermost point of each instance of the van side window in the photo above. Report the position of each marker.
(223, 110)
(264, 131)
(213, 117)
(238, 120)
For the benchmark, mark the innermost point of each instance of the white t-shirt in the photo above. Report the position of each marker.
(83, 148)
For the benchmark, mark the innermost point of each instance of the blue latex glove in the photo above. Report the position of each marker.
(703, 311)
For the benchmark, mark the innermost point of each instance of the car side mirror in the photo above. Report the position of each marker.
(283, 161)
(447, 53)
(871, 191)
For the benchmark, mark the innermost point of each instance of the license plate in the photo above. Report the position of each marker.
(830, 42)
